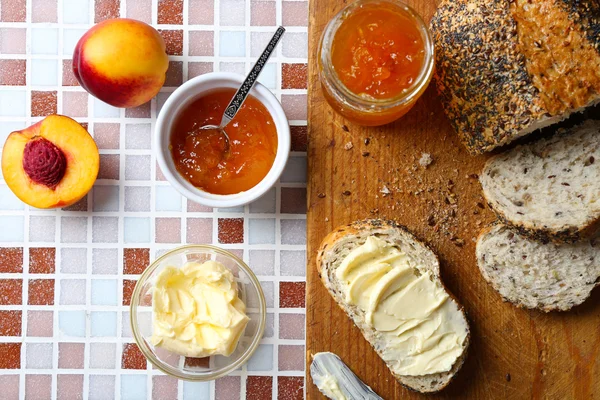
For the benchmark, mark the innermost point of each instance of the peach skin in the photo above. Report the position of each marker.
(51, 164)
(121, 61)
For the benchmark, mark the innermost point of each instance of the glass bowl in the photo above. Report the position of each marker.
(198, 369)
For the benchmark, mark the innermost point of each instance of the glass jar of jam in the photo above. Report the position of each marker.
(376, 58)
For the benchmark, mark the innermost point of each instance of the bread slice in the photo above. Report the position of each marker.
(507, 68)
(535, 275)
(336, 246)
(549, 189)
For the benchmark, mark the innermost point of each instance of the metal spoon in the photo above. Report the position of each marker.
(242, 93)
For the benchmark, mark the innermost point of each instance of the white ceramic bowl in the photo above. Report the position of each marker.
(187, 93)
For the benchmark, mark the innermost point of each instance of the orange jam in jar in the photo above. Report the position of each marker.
(376, 59)
(218, 164)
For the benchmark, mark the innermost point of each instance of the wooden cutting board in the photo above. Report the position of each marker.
(514, 353)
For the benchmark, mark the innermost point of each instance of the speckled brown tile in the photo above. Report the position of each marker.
(41, 292)
(11, 259)
(174, 76)
(294, 76)
(259, 387)
(13, 10)
(290, 388)
(299, 137)
(42, 260)
(11, 291)
(193, 362)
(142, 111)
(109, 166)
(43, 103)
(81, 205)
(293, 200)
(292, 294)
(135, 261)
(170, 12)
(231, 230)
(106, 9)
(132, 358)
(10, 322)
(173, 41)
(12, 72)
(10, 355)
(128, 286)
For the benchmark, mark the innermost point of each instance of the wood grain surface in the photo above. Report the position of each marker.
(514, 353)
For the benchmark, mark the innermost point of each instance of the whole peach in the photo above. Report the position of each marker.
(121, 61)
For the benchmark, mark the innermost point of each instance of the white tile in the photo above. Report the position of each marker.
(6, 128)
(103, 323)
(138, 136)
(137, 168)
(232, 12)
(103, 110)
(265, 204)
(42, 228)
(137, 230)
(137, 198)
(295, 44)
(44, 41)
(38, 355)
(104, 292)
(232, 44)
(44, 72)
(196, 390)
(71, 323)
(76, 11)
(133, 387)
(102, 387)
(8, 200)
(295, 171)
(102, 355)
(70, 39)
(105, 261)
(262, 359)
(268, 76)
(13, 103)
(105, 229)
(73, 260)
(167, 199)
(72, 292)
(261, 230)
(73, 230)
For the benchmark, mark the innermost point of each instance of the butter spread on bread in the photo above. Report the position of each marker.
(424, 328)
(422, 262)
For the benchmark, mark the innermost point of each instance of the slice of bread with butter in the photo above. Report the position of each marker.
(388, 282)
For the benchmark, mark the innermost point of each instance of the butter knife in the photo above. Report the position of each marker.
(336, 381)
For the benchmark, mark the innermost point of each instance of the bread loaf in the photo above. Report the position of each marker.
(507, 68)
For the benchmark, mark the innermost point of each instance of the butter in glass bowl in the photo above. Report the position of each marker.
(179, 286)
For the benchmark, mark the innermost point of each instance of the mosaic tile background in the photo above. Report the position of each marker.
(66, 276)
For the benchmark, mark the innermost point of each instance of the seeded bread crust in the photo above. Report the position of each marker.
(549, 190)
(535, 275)
(339, 243)
(507, 68)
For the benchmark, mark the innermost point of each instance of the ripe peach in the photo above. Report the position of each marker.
(121, 61)
(51, 164)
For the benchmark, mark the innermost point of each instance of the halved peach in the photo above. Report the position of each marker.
(51, 164)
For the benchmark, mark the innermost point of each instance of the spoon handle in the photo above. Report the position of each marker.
(241, 94)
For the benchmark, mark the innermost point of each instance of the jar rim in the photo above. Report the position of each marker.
(358, 101)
